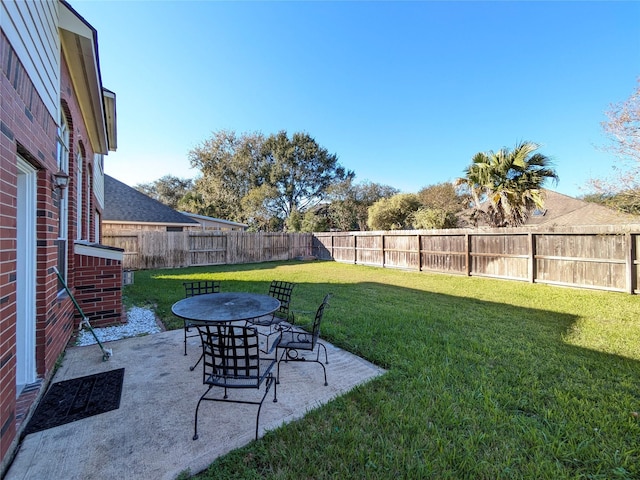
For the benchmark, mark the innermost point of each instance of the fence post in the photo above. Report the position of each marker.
(532, 258)
(355, 249)
(467, 245)
(629, 267)
(419, 253)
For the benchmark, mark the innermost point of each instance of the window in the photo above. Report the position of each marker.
(79, 196)
(89, 198)
(63, 199)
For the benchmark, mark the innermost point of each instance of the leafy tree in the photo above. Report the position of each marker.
(294, 221)
(627, 201)
(394, 213)
(314, 221)
(440, 204)
(444, 196)
(505, 185)
(261, 181)
(350, 202)
(622, 128)
(434, 218)
(193, 202)
(300, 172)
(255, 212)
(168, 189)
(231, 167)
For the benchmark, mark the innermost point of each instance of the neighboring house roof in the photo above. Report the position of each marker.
(564, 211)
(126, 204)
(204, 218)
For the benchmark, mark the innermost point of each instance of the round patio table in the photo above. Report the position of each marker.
(225, 307)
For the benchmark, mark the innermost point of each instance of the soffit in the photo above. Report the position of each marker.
(79, 47)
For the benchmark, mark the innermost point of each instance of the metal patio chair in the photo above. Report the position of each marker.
(232, 360)
(295, 340)
(281, 291)
(192, 289)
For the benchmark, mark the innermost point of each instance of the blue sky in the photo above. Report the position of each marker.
(405, 93)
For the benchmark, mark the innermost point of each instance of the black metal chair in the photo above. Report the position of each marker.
(293, 341)
(232, 360)
(281, 291)
(192, 289)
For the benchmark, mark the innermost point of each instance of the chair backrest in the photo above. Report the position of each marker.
(315, 330)
(282, 291)
(231, 356)
(192, 289)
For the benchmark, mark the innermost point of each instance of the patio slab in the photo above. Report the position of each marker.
(150, 435)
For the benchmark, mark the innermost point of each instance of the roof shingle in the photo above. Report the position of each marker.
(126, 204)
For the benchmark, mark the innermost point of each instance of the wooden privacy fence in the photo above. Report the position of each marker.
(604, 258)
(149, 250)
(599, 258)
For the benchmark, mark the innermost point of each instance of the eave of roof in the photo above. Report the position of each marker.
(109, 101)
(142, 222)
(79, 41)
(213, 219)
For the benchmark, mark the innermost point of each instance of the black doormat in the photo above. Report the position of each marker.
(78, 398)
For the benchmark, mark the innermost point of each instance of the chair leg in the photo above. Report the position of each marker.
(326, 360)
(278, 369)
(325, 374)
(185, 338)
(192, 368)
(326, 357)
(300, 358)
(195, 422)
(268, 382)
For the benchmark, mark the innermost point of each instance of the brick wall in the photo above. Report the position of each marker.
(98, 283)
(28, 129)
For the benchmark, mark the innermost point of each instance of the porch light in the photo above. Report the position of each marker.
(60, 179)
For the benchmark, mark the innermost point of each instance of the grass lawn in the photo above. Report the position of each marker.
(486, 379)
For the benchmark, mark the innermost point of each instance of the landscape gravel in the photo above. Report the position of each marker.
(140, 321)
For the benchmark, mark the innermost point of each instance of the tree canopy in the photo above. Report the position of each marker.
(168, 189)
(622, 128)
(230, 169)
(299, 172)
(505, 185)
(433, 219)
(444, 196)
(349, 203)
(263, 181)
(394, 213)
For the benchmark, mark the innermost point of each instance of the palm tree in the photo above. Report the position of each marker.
(506, 185)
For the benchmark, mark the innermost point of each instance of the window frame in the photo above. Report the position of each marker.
(63, 141)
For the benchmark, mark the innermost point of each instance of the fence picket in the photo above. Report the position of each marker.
(601, 258)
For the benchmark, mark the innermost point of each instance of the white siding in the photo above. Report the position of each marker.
(98, 179)
(32, 29)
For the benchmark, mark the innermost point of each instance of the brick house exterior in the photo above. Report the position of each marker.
(55, 116)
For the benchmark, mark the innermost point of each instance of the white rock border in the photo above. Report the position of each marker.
(140, 321)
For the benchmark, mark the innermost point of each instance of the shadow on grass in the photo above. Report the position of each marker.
(475, 389)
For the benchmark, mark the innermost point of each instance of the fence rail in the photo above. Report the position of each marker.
(149, 250)
(603, 258)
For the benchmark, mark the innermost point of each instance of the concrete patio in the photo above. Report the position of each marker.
(150, 435)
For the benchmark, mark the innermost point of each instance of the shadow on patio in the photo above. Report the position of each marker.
(150, 435)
